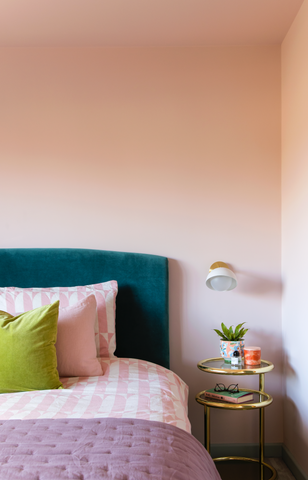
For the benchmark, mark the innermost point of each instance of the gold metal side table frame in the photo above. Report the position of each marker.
(217, 366)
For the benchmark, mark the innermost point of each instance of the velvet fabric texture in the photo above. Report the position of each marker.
(28, 359)
(142, 326)
(75, 346)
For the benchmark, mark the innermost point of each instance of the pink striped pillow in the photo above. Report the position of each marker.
(15, 300)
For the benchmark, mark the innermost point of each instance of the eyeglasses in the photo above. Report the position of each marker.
(220, 387)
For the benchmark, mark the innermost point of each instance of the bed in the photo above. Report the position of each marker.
(127, 419)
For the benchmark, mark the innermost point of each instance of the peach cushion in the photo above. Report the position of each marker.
(76, 349)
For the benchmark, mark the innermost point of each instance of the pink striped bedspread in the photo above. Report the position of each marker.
(129, 388)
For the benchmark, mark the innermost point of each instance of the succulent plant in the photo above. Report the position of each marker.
(228, 334)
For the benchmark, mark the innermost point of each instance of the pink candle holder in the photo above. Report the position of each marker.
(252, 355)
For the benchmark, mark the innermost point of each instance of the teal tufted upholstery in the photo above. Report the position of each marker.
(142, 317)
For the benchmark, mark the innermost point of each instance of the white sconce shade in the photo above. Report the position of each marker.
(221, 278)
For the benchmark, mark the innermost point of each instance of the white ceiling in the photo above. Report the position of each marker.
(144, 22)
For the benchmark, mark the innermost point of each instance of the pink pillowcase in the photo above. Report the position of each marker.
(14, 299)
(76, 350)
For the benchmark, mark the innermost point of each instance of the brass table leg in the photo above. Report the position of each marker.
(207, 428)
(261, 429)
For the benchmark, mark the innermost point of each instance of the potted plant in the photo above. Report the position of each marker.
(231, 341)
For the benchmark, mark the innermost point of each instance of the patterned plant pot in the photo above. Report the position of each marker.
(228, 347)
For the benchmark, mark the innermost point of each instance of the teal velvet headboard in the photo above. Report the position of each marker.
(142, 317)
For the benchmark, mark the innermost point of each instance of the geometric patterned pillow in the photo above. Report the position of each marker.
(18, 300)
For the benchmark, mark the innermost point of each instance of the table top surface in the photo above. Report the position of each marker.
(219, 366)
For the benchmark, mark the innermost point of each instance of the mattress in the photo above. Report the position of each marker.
(129, 388)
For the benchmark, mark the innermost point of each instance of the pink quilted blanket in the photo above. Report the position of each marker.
(106, 448)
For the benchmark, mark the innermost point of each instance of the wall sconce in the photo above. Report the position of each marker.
(220, 277)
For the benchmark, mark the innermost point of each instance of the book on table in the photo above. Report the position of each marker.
(238, 397)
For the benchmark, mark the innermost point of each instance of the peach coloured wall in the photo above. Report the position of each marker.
(169, 151)
(295, 234)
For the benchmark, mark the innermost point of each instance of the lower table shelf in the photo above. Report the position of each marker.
(260, 400)
(270, 474)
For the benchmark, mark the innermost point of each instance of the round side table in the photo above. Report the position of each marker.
(260, 401)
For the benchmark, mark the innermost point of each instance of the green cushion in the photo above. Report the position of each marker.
(28, 359)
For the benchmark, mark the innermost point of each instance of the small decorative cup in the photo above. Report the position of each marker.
(252, 355)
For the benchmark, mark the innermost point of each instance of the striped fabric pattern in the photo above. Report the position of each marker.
(18, 300)
(129, 388)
